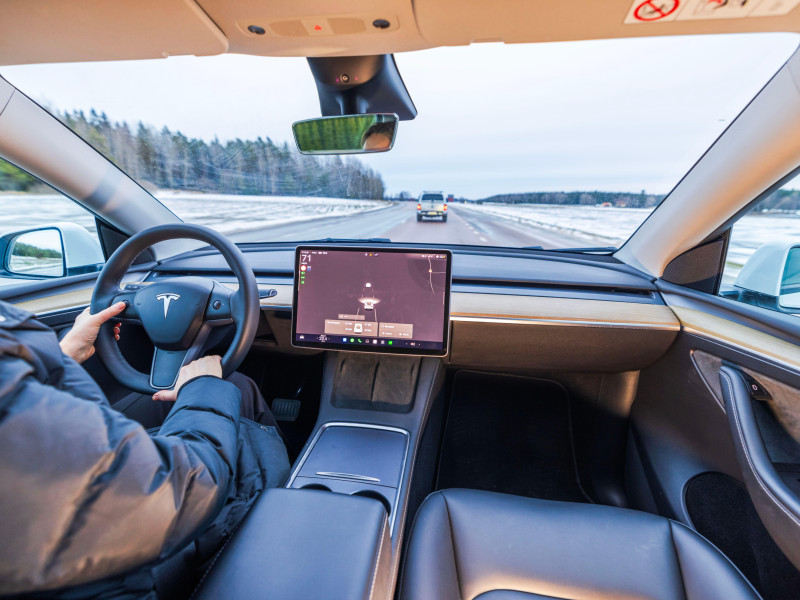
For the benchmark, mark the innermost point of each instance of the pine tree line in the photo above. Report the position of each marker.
(166, 159)
(619, 199)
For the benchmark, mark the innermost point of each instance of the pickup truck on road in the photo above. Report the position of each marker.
(432, 205)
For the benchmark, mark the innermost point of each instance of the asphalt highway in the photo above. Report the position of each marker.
(399, 224)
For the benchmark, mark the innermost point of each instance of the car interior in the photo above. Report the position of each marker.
(583, 424)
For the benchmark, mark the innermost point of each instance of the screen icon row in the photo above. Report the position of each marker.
(374, 342)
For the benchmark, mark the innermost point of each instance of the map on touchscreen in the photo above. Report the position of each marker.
(375, 300)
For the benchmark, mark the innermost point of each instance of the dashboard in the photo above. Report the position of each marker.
(513, 310)
(510, 310)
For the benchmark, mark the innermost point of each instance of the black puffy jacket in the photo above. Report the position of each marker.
(90, 503)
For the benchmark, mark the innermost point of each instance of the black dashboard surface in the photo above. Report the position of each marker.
(470, 267)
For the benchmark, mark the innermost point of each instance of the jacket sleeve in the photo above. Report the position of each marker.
(87, 493)
(76, 381)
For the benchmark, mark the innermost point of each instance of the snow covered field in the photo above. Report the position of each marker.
(612, 226)
(599, 226)
(225, 213)
(230, 214)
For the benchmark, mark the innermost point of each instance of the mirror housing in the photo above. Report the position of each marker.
(350, 134)
(771, 277)
(37, 253)
(358, 85)
(53, 251)
(789, 297)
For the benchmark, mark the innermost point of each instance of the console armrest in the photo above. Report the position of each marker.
(300, 544)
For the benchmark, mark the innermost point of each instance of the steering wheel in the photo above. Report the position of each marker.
(177, 314)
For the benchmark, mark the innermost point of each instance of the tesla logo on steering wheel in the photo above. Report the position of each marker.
(167, 298)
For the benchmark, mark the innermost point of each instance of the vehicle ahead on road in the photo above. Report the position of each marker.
(432, 205)
(620, 402)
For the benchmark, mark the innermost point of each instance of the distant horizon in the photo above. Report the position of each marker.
(616, 116)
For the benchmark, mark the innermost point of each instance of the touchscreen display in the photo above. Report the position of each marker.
(372, 300)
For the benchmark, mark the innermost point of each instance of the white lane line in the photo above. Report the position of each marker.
(483, 239)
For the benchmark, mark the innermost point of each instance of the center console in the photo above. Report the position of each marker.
(300, 544)
(336, 529)
(370, 459)
(357, 459)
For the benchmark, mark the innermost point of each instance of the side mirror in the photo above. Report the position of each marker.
(789, 297)
(48, 252)
(771, 277)
(351, 134)
(37, 253)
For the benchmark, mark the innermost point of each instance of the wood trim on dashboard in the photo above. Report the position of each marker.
(80, 298)
(58, 302)
(465, 306)
(561, 311)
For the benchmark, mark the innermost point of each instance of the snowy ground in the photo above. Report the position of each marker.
(612, 226)
(229, 214)
(225, 213)
(599, 226)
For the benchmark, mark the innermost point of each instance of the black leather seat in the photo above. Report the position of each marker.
(467, 544)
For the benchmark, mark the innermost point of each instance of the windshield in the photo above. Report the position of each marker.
(556, 145)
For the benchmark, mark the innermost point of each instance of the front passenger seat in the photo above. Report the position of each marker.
(467, 545)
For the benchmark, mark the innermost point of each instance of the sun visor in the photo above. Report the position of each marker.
(43, 31)
(460, 22)
(356, 85)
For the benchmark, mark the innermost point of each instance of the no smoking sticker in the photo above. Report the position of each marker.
(657, 11)
(650, 11)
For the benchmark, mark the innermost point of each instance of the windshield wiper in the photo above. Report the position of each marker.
(349, 240)
(590, 250)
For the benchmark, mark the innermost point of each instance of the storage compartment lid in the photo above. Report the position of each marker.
(364, 454)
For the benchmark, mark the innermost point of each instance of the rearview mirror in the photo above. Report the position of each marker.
(350, 134)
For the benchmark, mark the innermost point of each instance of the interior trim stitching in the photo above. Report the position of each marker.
(719, 552)
(412, 452)
(376, 567)
(746, 452)
(216, 557)
(572, 439)
(677, 557)
(452, 543)
(414, 534)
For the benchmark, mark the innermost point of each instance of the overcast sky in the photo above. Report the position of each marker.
(620, 115)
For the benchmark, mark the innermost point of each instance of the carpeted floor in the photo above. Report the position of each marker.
(509, 434)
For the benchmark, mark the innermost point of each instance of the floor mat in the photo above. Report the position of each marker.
(509, 434)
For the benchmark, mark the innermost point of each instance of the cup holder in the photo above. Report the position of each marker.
(375, 496)
(317, 486)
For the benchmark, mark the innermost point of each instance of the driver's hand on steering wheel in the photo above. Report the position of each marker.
(208, 365)
(78, 344)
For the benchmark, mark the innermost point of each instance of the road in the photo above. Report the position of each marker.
(399, 224)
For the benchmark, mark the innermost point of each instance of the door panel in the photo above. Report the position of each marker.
(703, 452)
(769, 455)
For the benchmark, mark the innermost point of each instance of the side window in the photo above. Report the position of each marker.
(43, 234)
(762, 267)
